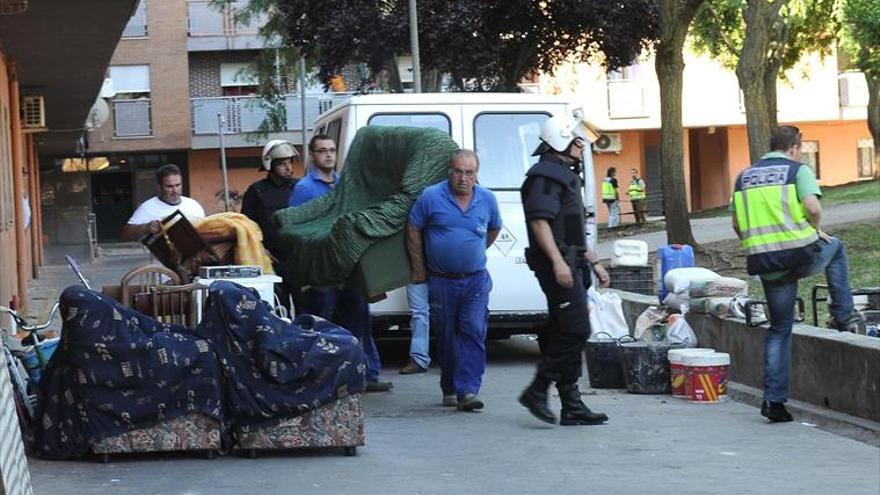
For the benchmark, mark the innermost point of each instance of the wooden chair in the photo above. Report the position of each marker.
(136, 285)
(178, 304)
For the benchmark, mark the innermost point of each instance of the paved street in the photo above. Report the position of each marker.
(652, 444)
(719, 228)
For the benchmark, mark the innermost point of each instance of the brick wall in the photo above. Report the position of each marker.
(204, 70)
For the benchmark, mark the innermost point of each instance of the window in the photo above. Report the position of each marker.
(505, 142)
(333, 130)
(435, 120)
(627, 73)
(7, 213)
(810, 150)
(131, 105)
(238, 79)
(866, 158)
(137, 25)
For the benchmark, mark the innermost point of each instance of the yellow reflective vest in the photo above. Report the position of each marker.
(609, 192)
(637, 189)
(771, 219)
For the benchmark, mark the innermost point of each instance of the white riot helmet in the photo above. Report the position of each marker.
(558, 132)
(277, 149)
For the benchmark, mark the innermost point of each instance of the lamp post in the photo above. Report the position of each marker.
(414, 45)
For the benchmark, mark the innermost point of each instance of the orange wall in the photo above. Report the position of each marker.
(8, 282)
(711, 154)
(631, 155)
(206, 176)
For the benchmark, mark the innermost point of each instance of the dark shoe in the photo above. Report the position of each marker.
(379, 386)
(574, 411)
(775, 412)
(450, 400)
(411, 368)
(534, 398)
(470, 402)
(851, 324)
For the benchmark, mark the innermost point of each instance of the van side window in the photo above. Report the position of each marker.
(436, 120)
(333, 130)
(505, 142)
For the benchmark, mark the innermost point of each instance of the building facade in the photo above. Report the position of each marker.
(826, 103)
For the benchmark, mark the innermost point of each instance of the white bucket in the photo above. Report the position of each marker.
(706, 377)
(677, 372)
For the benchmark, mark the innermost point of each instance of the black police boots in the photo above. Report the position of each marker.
(534, 398)
(574, 411)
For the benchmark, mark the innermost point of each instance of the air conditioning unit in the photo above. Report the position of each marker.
(608, 143)
(33, 113)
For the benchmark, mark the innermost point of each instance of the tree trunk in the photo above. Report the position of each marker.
(675, 17)
(758, 69)
(874, 117)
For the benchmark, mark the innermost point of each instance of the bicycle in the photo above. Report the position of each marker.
(26, 359)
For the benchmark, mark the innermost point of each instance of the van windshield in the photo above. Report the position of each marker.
(505, 142)
(434, 120)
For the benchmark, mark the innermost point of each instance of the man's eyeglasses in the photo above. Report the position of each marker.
(321, 151)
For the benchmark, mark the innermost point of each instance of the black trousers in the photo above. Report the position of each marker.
(563, 339)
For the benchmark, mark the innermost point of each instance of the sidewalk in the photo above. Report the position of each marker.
(708, 230)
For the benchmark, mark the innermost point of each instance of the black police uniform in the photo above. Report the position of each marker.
(261, 200)
(552, 192)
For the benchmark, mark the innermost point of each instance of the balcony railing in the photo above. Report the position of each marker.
(242, 114)
(131, 118)
(206, 20)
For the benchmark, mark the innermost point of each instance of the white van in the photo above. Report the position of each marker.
(503, 129)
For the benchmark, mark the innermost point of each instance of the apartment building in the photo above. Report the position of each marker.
(828, 104)
(50, 73)
(180, 69)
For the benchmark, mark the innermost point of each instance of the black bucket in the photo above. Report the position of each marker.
(646, 366)
(604, 363)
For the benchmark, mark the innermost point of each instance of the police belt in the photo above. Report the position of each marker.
(453, 276)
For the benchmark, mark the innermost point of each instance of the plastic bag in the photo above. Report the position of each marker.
(677, 301)
(680, 279)
(606, 314)
(715, 306)
(679, 331)
(649, 317)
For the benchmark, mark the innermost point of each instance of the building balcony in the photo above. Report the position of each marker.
(243, 115)
(627, 99)
(131, 118)
(213, 29)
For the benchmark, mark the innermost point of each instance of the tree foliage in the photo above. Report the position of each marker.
(760, 39)
(485, 45)
(861, 39)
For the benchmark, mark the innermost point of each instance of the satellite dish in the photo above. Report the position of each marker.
(99, 114)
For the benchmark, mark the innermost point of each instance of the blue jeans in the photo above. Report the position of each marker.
(460, 318)
(419, 308)
(613, 214)
(350, 311)
(780, 302)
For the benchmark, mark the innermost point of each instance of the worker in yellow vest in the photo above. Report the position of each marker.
(777, 215)
(637, 196)
(611, 197)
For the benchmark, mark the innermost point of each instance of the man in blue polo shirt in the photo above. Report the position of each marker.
(456, 221)
(343, 307)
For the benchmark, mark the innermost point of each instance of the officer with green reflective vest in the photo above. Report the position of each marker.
(777, 216)
(610, 197)
(637, 195)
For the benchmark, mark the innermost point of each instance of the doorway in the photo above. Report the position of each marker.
(112, 203)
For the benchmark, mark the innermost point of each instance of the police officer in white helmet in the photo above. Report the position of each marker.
(268, 195)
(558, 254)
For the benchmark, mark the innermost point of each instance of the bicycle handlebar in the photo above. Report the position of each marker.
(23, 323)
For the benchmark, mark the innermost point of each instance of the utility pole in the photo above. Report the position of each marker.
(223, 161)
(414, 45)
(302, 95)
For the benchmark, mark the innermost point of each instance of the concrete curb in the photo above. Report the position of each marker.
(845, 425)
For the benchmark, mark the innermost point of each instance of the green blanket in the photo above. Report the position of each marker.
(386, 170)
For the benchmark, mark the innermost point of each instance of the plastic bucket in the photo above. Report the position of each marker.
(706, 380)
(677, 371)
(646, 366)
(32, 362)
(603, 362)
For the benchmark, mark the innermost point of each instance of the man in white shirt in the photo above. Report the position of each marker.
(146, 219)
